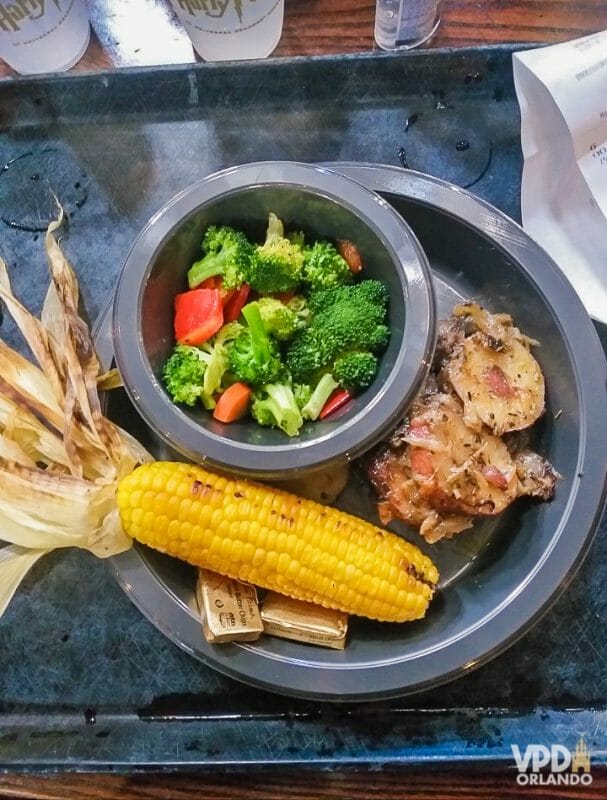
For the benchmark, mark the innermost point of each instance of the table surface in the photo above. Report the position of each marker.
(311, 27)
(317, 27)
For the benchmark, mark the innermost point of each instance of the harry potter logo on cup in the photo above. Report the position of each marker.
(223, 30)
(212, 8)
(11, 14)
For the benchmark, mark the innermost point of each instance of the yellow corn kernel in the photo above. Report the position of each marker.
(280, 542)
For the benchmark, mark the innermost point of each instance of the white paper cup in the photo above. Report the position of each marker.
(221, 30)
(39, 36)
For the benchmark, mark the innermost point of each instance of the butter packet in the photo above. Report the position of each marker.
(229, 608)
(304, 622)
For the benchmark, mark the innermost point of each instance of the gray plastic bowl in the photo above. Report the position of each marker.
(323, 204)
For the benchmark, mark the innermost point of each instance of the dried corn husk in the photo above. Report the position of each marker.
(60, 458)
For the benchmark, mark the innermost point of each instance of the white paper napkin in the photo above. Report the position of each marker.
(562, 93)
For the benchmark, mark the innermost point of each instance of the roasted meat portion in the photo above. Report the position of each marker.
(437, 474)
(458, 469)
(536, 476)
(447, 463)
(400, 498)
(492, 370)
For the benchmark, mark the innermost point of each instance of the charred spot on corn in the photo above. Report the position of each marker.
(419, 576)
(277, 541)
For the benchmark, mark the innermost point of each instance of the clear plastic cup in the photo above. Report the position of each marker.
(222, 30)
(40, 36)
(404, 24)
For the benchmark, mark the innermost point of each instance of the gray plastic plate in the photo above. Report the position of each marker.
(497, 580)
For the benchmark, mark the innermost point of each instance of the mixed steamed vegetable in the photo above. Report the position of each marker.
(284, 330)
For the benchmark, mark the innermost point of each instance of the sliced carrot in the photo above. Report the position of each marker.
(350, 254)
(233, 403)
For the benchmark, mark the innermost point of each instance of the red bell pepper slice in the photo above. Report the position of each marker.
(337, 400)
(233, 307)
(198, 315)
(210, 283)
(216, 282)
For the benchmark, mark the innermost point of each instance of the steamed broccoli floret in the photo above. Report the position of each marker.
(355, 371)
(325, 267)
(183, 374)
(354, 321)
(196, 373)
(282, 320)
(278, 319)
(302, 393)
(217, 366)
(306, 357)
(254, 356)
(324, 298)
(274, 405)
(323, 390)
(297, 237)
(299, 306)
(369, 291)
(228, 254)
(373, 291)
(278, 263)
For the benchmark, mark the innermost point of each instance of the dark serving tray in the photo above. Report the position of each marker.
(85, 681)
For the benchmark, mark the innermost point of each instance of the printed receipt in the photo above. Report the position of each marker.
(562, 94)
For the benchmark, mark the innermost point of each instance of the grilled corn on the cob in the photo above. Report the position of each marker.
(276, 540)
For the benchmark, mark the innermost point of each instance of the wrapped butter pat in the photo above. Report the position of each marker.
(229, 609)
(304, 622)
